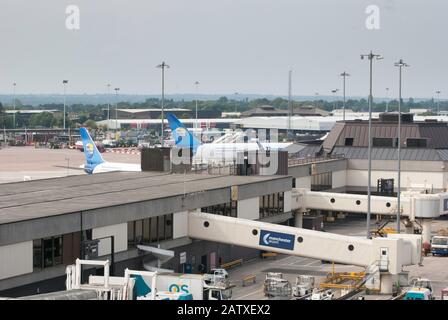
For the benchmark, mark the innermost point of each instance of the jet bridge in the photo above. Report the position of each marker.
(389, 254)
(413, 204)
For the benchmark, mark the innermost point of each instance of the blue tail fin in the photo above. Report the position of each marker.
(93, 156)
(182, 137)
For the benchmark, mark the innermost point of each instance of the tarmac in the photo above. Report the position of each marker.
(30, 163)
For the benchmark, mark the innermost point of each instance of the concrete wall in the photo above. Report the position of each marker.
(16, 259)
(304, 182)
(249, 209)
(409, 179)
(391, 165)
(119, 231)
(180, 223)
(304, 170)
(339, 179)
(287, 203)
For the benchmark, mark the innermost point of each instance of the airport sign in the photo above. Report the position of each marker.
(277, 240)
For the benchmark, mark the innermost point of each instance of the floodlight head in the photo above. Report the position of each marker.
(379, 57)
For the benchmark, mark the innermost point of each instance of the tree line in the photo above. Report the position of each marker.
(79, 114)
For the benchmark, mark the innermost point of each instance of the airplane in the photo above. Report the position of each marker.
(95, 162)
(222, 153)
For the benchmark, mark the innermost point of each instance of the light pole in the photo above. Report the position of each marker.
(162, 66)
(290, 104)
(370, 56)
(196, 121)
(334, 98)
(116, 108)
(108, 104)
(400, 64)
(64, 84)
(236, 101)
(344, 75)
(387, 99)
(438, 102)
(14, 104)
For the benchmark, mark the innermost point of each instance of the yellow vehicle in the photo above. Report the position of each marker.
(384, 231)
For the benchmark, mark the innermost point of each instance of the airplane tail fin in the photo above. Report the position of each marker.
(93, 156)
(182, 137)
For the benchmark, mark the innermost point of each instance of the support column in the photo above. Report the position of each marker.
(330, 217)
(298, 219)
(426, 230)
(410, 230)
(409, 226)
(386, 282)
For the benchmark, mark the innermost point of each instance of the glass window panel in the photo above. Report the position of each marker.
(139, 231)
(57, 250)
(161, 227)
(37, 253)
(131, 233)
(48, 252)
(169, 227)
(153, 234)
(146, 230)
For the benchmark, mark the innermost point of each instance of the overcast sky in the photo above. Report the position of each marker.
(229, 46)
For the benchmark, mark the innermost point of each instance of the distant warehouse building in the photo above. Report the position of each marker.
(27, 114)
(147, 113)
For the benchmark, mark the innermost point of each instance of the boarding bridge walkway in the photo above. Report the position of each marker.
(414, 205)
(390, 254)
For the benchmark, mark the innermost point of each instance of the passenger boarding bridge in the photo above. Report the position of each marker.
(386, 255)
(414, 205)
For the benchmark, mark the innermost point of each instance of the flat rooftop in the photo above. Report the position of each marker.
(30, 200)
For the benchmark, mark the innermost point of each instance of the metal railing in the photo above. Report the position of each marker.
(215, 169)
(312, 159)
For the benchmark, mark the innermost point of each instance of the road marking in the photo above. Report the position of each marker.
(287, 259)
(298, 261)
(249, 294)
(311, 263)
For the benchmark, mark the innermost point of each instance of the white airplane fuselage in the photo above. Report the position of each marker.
(116, 166)
(225, 153)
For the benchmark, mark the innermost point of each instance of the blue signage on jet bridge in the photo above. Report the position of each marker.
(277, 240)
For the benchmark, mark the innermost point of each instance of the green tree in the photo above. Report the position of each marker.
(44, 119)
(90, 124)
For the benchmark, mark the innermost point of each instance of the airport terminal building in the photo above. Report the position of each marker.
(46, 224)
(42, 222)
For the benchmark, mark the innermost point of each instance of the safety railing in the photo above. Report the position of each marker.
(313, 159)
